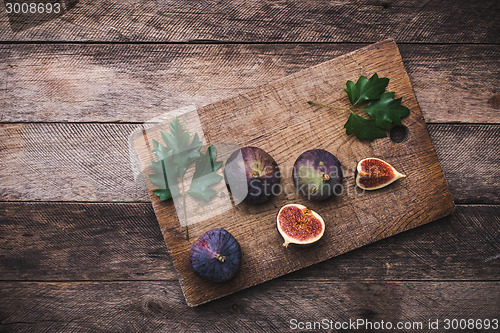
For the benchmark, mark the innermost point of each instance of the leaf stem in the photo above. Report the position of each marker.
(210, 156)
(184, 208)
(327, 106)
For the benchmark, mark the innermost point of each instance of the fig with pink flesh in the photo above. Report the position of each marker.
(216, 255)
(317, 174)
(252, 175)
(299, 225)
(374, 173)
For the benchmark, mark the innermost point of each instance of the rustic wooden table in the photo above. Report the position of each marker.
(80, 247)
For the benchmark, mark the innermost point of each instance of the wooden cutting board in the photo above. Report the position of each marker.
(276, 118)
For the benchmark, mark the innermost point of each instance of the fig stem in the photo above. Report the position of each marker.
(220, 258)
(327, 106)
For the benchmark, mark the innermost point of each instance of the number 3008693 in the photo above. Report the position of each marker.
(32, 8)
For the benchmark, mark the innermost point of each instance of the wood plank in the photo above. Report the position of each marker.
(89, 162)
(134, 83)
(448, 21)
(159, 306)
(54, 241)
(469, 147)
(109, 242)
(56, 162)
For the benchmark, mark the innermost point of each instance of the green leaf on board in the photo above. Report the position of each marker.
(205, 175)
(384, 109)
(387, 110)
(363, 128)
(366, 89)
(184, 150)
(174, 158)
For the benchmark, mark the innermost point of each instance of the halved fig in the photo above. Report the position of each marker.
(299, 225)
(374, 173)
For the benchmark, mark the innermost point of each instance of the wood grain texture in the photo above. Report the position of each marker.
(134, 83)
(131, 83)
(157, 306)
(90, 162)
(267, 21)
(459, 174)
(53, 241)
(277, 118)
(110, 242)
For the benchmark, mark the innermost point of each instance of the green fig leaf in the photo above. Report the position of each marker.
(387, 110)
(163, 194)
(184, 150)
(205, 175)
(383, 108)
(175, 157)
(366, 89)
(162, 177)
(363, 128)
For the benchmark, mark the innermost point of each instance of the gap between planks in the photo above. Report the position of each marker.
(234, 42)
(283, 278)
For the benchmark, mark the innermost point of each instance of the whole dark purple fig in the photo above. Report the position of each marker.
(216, 255)
(252, 175)
(317, 174)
